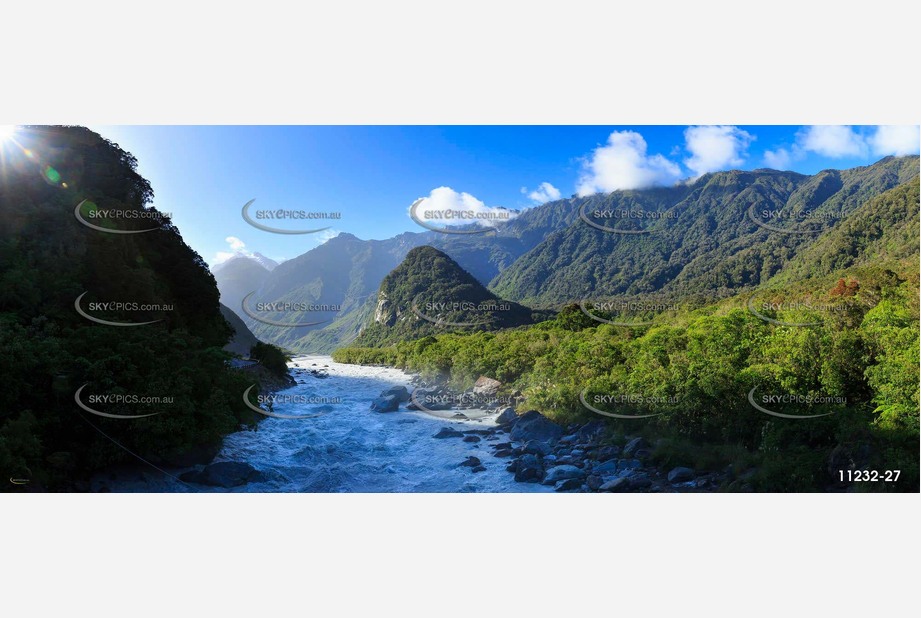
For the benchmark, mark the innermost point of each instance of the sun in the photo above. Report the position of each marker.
(6, 130)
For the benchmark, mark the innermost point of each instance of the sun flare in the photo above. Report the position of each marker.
(6, 130)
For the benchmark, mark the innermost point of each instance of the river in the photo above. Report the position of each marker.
(347, 448)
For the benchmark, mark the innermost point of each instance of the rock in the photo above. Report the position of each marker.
(606, 452)
(628, 464)
(479, 469)
(535, 426)
(224, 474)
(399, 392)
(680, 475)
(643, 453)
(617, 485)
(634, 445)
(594, 482)
(447, 432)
(390, 403)
(470, 462)
(503, 453)
(640, 480)
(460, 416)
(472, 439)
(569, 485)
(535, 447)
(609, 467)
(486, 386)
(591, 431)
(561, 473)
(529, 469)
(506, 416)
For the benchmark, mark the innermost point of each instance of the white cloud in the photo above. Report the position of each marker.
(445, 207)
(832, 141)
(779, 159)
(623, 164)
(715, 148)
(221, 256)
(237, 247)
(545, 192)
(895, 140)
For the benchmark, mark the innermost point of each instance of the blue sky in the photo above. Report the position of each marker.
(203, 175)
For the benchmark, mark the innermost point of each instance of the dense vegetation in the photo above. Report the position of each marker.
(839, 321)
(47, 260)
(430, 293)
(703, 237)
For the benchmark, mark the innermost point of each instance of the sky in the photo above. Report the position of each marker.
(371, 175)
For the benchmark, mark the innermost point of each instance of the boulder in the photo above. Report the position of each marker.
(569, 485)
(680, 475)
(594, 482)
(561, 473)
(472, 439)
(224, 474)
(605, 453)
(399, 392)
(528, 469)
(479, 469)
(617, 485)
(506, 416)
(470, 462)
(591, 431)
(447, 432)
(390, 403)
(607, 467)
(535, 426)
(486, 386)
(634, 445)
(536, 447)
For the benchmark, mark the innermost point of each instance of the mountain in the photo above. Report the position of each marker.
(266, 262)
(345, 273)
(242, 340)
(699, 237)
(237, 277)
(429, 293)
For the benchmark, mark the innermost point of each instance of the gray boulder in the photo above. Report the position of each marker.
(399, 392)
(447, 432)
(224, 474)
(506, 416)
(528, 469)
(388, 403)
(617, 485)
(535, 426)
(486, 386)
(634, 445)
(561, 473)
(680, 475)
(536, 447)
(569, 485)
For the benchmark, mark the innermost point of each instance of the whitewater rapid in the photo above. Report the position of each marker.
(347, 447)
